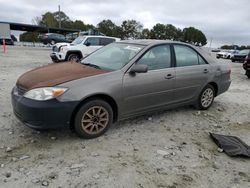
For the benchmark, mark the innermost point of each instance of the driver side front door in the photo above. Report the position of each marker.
(146, 91)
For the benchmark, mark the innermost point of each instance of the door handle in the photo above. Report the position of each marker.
(205, 71)
(169, 76)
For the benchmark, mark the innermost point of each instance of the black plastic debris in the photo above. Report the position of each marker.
(231, 145)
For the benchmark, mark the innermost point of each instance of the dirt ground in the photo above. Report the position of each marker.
(168, 149)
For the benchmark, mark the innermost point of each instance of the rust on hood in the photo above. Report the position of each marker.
(54, 74)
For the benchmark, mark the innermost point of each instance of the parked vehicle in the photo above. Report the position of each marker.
(73, 36)
(240, 56)
(231, 53)
(53, 38)
(246, 65)
(121, 80)
(226, 54)
(215, 50)
(7, 41)
(221, 54)
(79, 48)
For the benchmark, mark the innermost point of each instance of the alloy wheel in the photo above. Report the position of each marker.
(95, 119)
(207, 97)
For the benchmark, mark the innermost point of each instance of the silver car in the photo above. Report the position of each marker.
(120, 80)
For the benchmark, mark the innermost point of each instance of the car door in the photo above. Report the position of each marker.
(91, 45)
(192, 73)
(145, 91)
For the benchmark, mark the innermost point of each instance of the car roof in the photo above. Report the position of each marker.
(147, 42)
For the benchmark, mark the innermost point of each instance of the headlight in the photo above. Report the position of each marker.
(45, 93)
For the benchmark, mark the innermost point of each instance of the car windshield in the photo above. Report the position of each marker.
(78, 40)
(244, 51)
(113, 56)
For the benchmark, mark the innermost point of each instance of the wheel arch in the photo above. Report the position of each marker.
(215, 85)
(110, 100)
(73, 52)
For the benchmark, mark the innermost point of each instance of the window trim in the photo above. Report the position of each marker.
(164, 44)
(186, 45)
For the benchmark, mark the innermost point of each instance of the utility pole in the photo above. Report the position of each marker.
(211, 43)
(59, 12)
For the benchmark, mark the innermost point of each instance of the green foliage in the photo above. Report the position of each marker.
(194, 36)
(232, 47)
(29, 37)
(129, 29)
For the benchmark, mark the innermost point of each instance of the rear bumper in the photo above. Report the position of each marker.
(224, 86)
(48, 114)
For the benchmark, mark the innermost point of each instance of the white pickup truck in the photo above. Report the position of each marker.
(79, 48)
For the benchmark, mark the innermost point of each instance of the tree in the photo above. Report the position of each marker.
(107, 27)
(158, 31)
(145, 34)
(194, 36)
(131, 29)
(29, 37)
(48, 20)
(78, 24)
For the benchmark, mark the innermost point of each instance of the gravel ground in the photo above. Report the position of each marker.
(169, 149)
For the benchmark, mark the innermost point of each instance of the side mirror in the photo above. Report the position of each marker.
(139, 68)
(87, 44)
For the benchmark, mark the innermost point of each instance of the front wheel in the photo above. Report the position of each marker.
(206, 97)
(74, 57)
(93, 119)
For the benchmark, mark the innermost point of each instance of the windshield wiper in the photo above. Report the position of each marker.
(92, 65)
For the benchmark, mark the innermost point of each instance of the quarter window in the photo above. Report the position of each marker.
(201, 60)
(158, 57)
(106, 41)
(185, 56)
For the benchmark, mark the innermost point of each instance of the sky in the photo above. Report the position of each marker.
(222, 21)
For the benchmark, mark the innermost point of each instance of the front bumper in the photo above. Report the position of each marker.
(57, 57)
(48, 114)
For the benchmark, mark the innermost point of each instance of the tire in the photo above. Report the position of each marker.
(88, 123)
(52, 42)
(233, 60)
(206, 97)
(248, 74)
(73, 57)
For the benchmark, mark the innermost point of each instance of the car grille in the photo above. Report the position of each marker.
(21, 90)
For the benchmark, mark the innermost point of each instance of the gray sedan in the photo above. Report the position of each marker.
(120, 80)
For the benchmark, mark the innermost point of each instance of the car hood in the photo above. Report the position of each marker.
(54, 74)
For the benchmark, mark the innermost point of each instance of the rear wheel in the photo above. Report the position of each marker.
(93, 119)
(248, 73)
(74, 57)
(206, 97)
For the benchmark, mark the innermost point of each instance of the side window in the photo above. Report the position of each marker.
(106, 41)
(185, 56)
(93, 41)
(158, 57)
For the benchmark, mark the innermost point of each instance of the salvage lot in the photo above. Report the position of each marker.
(166, 149)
